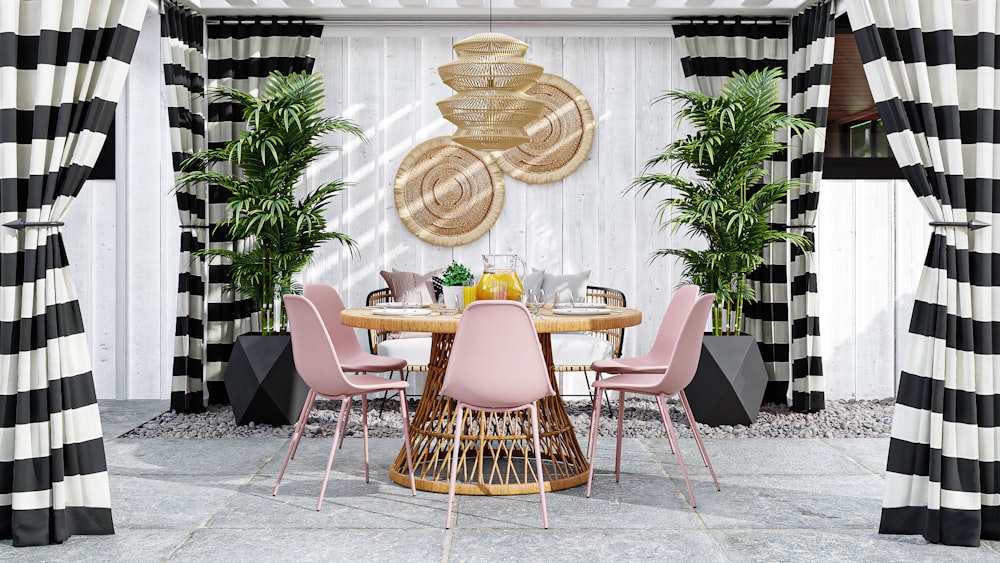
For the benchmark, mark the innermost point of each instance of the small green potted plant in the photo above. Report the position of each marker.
(453, 282)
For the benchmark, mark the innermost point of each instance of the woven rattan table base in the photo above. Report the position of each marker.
(496, 454)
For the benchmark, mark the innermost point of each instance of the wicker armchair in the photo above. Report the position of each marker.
(616, 336)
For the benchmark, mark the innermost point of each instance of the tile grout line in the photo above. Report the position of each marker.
(222, 504)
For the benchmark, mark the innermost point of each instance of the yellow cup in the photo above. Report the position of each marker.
(468, 294)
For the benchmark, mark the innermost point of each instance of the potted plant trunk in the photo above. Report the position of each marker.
(277, 232)
(723, 195)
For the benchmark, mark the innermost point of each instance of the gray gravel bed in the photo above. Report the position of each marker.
(840, 419)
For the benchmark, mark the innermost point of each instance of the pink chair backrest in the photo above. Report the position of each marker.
(496, 360)
(673, 319)
(315, 358)
(687, 350)
(328, 303)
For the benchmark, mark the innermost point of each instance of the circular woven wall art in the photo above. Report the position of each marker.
(447, 194)
(561, 137)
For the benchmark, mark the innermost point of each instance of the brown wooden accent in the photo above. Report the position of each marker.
(496, 455)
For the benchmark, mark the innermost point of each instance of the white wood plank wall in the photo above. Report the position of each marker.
(122, 236)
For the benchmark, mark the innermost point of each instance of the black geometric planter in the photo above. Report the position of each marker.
(729, 385)
(262, 383)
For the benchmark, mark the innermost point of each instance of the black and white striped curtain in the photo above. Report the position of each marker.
(810, 70)
(710, 52)
(932, 68)
(182, 40)
(241, 54)
(63, 64)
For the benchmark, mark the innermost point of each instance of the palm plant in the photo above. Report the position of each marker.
(276, 233)
(728, 202)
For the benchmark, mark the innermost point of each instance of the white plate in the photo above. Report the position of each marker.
(587, 306)
(581, 311)
(395, 305)
(402, 312)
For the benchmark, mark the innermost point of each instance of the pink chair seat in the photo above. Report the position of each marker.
(639, 383)
(627, 365)
(376, 383)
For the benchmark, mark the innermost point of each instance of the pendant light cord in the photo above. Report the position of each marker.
(491, 16)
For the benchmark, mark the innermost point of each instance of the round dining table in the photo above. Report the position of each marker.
(496, 451)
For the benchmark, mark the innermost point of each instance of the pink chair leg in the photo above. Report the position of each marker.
(349, 402)
(668, 424)
(364, 429)
(403, 410)
(697, 437)
(595, 421)
(454, 463)
(618, 446)
(341, 425)
(538, 463)
(300, 425)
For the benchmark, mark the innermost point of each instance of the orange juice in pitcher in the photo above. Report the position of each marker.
(500, 279)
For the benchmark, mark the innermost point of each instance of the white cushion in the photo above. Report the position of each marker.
(416, 351)
(564, 284)
(568, 349)
(578, 349)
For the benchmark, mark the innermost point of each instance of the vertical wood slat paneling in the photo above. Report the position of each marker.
(581, 222)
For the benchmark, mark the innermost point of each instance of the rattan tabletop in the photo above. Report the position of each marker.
(545, 322)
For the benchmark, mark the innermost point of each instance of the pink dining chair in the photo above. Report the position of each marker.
(658, 357)
(318, 363)
(352, 358)
(496, 365)
(671, 380)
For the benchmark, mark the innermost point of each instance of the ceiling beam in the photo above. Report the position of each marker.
(300, 3)
(641, 3)
(242, 3)
(357, 3)
(470, 3)
(583, 3)
(413, 3)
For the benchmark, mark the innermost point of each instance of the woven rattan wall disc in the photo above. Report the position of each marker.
(560, 139)
(447, 194)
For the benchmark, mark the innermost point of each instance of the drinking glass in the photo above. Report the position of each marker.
(536, 300)
(443, 307)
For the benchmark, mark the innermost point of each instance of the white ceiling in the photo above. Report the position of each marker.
(502, 10)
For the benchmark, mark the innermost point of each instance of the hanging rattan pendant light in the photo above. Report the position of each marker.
(490, 76)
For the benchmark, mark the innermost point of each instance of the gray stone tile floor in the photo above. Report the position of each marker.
(210, 500)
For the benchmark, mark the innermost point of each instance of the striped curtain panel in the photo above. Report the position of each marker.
(811, 68)
(182, 39)
(240, 55)
(710, 52)
(932, 68)
(63, 64)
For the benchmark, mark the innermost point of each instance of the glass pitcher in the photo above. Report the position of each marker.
(500, 279)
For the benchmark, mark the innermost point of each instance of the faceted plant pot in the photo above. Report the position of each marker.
(262, 383)
(729, 385)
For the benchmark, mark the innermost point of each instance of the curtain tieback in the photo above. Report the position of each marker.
(22, 224)
(972, 225)
(193, 226)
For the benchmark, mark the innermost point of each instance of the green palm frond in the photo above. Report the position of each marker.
(721, 192)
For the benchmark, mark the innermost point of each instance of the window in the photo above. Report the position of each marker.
(856, 144)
